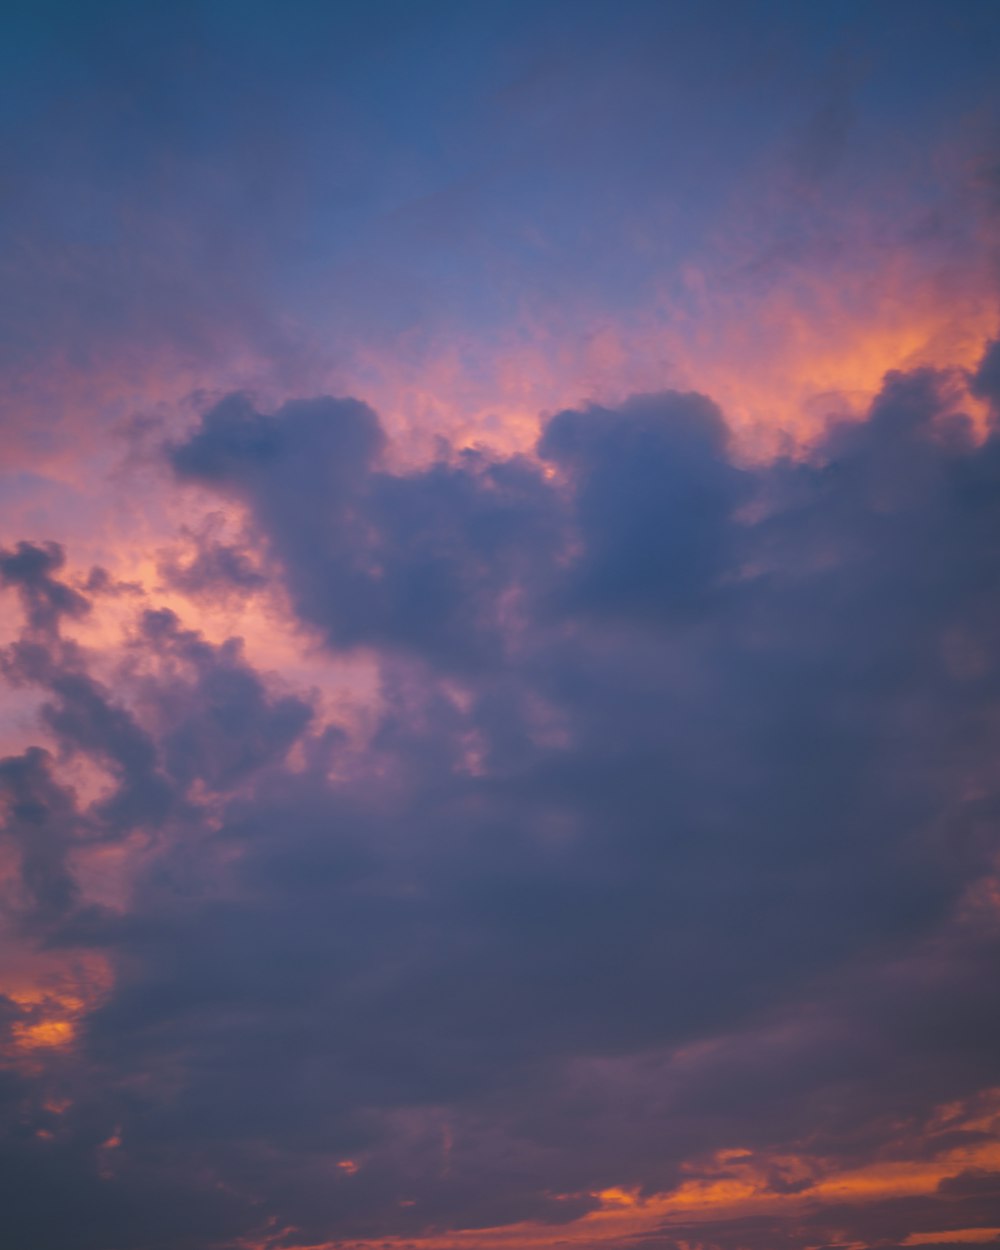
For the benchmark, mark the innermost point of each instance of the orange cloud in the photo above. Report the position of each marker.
(733, 1184)
(54, 992)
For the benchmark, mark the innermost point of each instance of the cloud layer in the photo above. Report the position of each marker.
(499, 551)
(663, 861)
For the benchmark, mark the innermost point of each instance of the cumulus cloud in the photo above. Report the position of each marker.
(373, 558)
(422, 816)
(678, 808)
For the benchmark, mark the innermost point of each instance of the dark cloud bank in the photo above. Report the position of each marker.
(671, 751)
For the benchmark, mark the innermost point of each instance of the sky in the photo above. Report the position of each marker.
(499, 599)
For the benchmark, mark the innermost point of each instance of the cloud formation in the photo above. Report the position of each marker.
(665, 862)
(499, 518)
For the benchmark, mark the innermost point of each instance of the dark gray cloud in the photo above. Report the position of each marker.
(30, 567)
(215, 719)
(654, 496)
(39, 818)
(667, 838)
(416, 561)
(986, 380)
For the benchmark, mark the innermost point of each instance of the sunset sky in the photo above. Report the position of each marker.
(499, 625)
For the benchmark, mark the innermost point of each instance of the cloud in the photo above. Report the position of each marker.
(671, 832)
(39, 819)
(211, 568)
(216, 722)
(654, 493)
(986, 381)
(417, 561)
(29, 567)
(425, 821)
